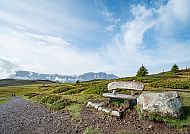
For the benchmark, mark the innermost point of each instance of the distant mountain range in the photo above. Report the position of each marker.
(27, 75)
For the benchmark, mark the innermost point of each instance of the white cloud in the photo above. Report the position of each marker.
(48, 54)
(135, 29)
(127, 48)
(173, 16)
(46, 18)
(111, 21)
(123, 55)
(7, 68)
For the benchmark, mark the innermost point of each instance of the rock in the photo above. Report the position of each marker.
(115, 113)
(166, 103)
(106, 110)
(150, 127)
(95, 105)
(126, 85)
(99, 108)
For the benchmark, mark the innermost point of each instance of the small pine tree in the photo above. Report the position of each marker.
(142, 71)
(175, 68)
(77, 82)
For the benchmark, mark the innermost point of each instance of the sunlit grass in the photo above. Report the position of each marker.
(75, 111)
(91, 130)
(8, 91)
(3, 101)
(73, 97)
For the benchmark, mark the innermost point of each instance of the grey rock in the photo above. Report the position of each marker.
(106, 110)
(95, 105)
(115, 113)
(150, 126)
(165, 103)
(99, 108)
(126, 85)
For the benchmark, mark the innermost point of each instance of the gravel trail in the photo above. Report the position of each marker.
(19, 116)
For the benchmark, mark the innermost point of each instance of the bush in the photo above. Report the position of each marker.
(73, 91)
(171, 84)
(96, 89)
(75, 111)
(60, 104)
(63, 89)
(50, 99)
(147, 79)
(30, 95)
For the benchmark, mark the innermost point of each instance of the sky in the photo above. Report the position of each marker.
(71, 37)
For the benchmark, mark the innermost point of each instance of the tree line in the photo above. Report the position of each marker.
(143, 71)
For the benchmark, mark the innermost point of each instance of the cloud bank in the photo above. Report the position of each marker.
(156, 37)
(47, 54)
(7, 68)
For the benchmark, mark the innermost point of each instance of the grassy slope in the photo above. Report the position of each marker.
(3, 101)
(72, 96)
(16, 82)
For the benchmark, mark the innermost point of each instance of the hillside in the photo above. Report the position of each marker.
(74, 96)
(17, 82)
(165, 80)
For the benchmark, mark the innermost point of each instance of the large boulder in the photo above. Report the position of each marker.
(165, 103)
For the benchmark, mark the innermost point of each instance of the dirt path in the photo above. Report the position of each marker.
(23, 117)
(130, 123)
(19, 116)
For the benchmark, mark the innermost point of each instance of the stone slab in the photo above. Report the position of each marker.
(115, 113)
(126, 85)
(119, 96)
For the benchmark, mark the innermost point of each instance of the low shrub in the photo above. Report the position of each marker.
(60, 104)
(75, 111)
(30, 95)
(50, 99)
(73, 91)
(62, 89)
(96, 89)
(171, 84)
(118, 102)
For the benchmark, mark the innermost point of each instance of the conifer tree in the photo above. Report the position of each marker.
(77, 82)
(142, 71)
(175, 68)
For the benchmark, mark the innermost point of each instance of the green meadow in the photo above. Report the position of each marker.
(74, 96)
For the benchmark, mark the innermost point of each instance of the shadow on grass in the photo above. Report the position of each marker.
(186, 112)
(184, 121)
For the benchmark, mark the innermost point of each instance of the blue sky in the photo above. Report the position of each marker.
(78, 36)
